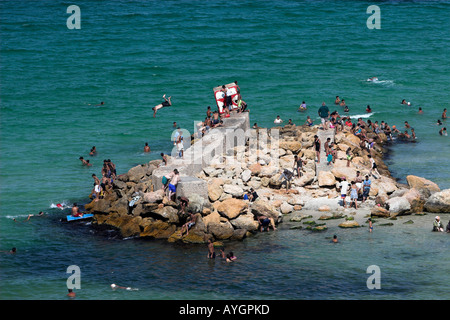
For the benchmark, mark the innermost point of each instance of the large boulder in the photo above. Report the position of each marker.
(231, 208)
(197, 234)
(196, 203)
(155, 196)
(286, 208)
(234, 190)
(255, 168)
(438, 202)
(379, 212)
(215, 189)
(246, 175)
(262, 207)
(305, 179)
(222, 230)
(245, 221)
(158, 230)
(385, 185)
(398, 206)
(326, 179)
(136, 173)
(415, 199)
(100, 206)
(349, 224)
(294, 145)
(343, 171)
(167, 213)
(422, 183)
(268, 171)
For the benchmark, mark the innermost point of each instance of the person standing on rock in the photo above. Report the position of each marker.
(173, 184)
(287, 175)
(298, 165)
(354, 195)
(180, 142)
(317, 147)
(373, 167)
(348, 153)
(366, 188)
(344, 189)
(324, 114)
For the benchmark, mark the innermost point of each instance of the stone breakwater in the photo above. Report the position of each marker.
(220, 208)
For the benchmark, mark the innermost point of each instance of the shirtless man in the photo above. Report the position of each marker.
(337, 101)
(189, 224)
(146, 148)
(184, 202)
(211, 253)
(444, 114)
(173, 183)
(76, 211)
(96, 179)
(166, 103)
(84, 162)
(266, 222)
(164, 159)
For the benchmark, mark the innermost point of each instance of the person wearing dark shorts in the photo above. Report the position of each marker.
(165, 103)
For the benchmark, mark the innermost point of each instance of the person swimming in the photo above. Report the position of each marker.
(404, 102)
(372, 79)
(302, 107)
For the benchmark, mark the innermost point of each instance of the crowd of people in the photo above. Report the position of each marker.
(358, 188)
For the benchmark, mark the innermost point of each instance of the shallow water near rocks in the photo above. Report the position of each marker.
(284, 264)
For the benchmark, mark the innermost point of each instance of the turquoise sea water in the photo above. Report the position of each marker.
(128, 54)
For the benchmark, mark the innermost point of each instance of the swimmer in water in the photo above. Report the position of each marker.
(115, 286)
(337, 101)
(302, 106)
(40, 214)
(420, 110)
(443, 132)
(404, 102)
(444, 114)
(166, 103)
(368, 109)
(372, 79)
